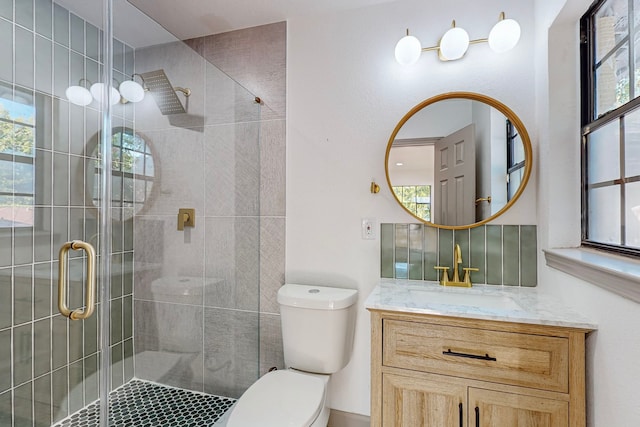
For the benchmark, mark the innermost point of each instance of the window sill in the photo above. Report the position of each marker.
(617, 274)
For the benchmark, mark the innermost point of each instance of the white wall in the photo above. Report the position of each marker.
(346, 93)
(613, 368)
(417, 165)
(438, 120)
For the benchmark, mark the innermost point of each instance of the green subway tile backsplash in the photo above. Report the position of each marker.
(511, 246)
(477, 258)
(528, 255)
(415, 252)
(494, 254)
(387, 245)
(401, 251)
(430, 254)
(504, 254)
(445, 247)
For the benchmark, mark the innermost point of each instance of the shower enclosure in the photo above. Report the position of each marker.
(177, 312)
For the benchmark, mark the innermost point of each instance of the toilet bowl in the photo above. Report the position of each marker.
(282, 399)
(318, 325)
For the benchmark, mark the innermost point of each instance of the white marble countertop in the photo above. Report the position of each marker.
(489, 302)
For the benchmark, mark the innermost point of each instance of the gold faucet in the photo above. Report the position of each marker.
(455, 280)
(457, 259)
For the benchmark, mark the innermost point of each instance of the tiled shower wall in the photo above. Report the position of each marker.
(256, 58)
(44, 358)
(225, 158)
(504, 254)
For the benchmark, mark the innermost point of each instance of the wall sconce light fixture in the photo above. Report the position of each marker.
(133, 91)
(97, 90)
(504, 36)
(79, 94)
(128, 91)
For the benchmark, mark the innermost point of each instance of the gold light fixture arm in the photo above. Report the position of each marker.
(476, 41)
(90, 284)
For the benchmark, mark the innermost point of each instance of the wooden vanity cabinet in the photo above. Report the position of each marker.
(437, 371)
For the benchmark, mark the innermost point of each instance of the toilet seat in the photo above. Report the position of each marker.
(283, 398)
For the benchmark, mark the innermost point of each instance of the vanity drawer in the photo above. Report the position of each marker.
(505, 357)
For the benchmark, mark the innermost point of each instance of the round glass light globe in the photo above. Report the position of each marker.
(97, 89)
(78, 95)
(504, 35)
(454, 44)
(408, 50)
(131, 91)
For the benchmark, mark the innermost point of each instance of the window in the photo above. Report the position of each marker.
(515, 160)
(416, 198)
(610, 80)
(132, 173)
(17, 157)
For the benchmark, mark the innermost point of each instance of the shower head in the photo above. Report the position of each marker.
(163, 92)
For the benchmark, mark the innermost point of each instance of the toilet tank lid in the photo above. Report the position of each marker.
(316, 297)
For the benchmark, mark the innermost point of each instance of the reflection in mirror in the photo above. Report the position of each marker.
(458, 160)
(133, 172)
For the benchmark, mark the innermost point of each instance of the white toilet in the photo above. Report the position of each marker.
(317, 333)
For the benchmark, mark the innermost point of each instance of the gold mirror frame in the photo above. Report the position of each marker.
(506, 111)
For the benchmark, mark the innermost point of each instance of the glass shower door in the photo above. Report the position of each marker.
(114, 177)
(49, 363)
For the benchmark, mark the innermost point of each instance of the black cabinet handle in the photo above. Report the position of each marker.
(477, 417)
(461, 414)
(468, 356)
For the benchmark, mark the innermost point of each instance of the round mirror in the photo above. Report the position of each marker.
(458, 160)
(133, 172)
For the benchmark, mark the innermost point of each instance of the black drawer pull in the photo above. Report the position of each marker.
(461, 415)
(468, 356)
(477, 417)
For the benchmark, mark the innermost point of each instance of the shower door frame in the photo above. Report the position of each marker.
(105, 229)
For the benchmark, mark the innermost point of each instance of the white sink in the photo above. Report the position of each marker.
(491, 302)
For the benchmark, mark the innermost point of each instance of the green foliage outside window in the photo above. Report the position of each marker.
(17, 151)
(416, 198)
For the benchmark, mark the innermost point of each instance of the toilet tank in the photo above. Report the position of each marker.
(318, 324)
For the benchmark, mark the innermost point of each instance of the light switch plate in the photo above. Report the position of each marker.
(369, 228)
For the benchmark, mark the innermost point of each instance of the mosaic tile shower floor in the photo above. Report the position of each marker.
(144, 404)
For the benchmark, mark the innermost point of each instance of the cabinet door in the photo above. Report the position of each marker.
(415, 402)
(489, 408)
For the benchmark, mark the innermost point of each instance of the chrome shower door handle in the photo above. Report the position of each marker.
(90, 285)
